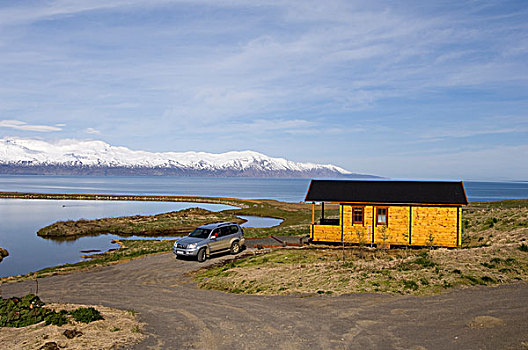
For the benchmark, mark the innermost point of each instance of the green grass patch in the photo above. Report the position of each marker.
(56, 319)
(86, 315)
(25, 311)
(22, 312)
(410, 284)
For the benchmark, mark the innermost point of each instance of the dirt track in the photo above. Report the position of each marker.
(179, 315)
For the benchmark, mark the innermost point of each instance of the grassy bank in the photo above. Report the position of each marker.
(130, 249)
(174, 223)
(494, 252)
(120, 197)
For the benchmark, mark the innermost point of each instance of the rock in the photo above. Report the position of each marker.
(72, 333)
(51, 345)
(3, 253)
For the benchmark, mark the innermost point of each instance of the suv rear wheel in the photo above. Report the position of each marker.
(235, 247)
(202, 255)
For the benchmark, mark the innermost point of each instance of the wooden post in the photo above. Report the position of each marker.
(341, 221)
(459, 236)
(322, 210)
(313, 213)
(410, 224)
(373, 225)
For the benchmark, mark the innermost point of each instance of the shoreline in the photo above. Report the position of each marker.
(485, 236)
(124, 197)
(295, 217)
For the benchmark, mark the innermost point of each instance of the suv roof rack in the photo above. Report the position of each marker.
(221, 223)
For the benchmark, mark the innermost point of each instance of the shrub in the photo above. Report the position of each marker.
(509, 261)
(424, 260)
(86, 314)
(487, 279)
(491, 222)
(474, 280)
(56, 319)
(22, 312)
(523, 248)
(410, 284)
(488, 265)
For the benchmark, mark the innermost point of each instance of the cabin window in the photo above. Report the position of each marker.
(357, 215)
(382, 216)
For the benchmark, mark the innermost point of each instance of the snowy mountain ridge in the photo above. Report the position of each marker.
(76, 157)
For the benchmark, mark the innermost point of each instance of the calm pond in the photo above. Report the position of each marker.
(259, 222)
(21, 219)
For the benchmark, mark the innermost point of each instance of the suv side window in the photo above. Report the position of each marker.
(216, 232)
(234, 229)
(224, 231)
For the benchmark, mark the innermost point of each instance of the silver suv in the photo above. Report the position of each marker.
(210, 238)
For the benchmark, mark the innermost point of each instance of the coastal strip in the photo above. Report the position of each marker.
(123, 197)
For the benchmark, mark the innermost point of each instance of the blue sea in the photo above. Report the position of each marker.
(21, 219)
(289, 190)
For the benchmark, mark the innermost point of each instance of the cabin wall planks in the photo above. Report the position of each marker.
(428, 225)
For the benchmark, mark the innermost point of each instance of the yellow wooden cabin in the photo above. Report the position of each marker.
(413, 213)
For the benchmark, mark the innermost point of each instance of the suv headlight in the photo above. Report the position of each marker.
(192, 245)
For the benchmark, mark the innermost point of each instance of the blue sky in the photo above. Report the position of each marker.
(405, 89)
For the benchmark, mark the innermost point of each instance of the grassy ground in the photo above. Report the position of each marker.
(494, 252)
(173, 223)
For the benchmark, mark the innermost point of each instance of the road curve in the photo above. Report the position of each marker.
(179, 315)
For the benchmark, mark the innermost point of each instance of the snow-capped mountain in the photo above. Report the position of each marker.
(80, 157)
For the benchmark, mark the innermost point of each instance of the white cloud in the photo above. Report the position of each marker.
(92, 131)
(495, 125)
(20, 125)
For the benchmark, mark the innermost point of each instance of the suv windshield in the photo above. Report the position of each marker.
(200, 233)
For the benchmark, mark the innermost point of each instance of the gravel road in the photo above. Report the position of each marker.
(178, 315)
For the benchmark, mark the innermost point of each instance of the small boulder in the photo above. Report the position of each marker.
(51, 345)
(3, 252)
(72, 333)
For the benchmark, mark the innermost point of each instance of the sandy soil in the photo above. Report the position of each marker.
(118, 329)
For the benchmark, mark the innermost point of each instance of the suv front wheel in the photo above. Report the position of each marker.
(202, 255)
(235, 247)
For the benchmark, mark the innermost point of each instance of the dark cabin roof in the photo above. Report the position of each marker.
(398, 192)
